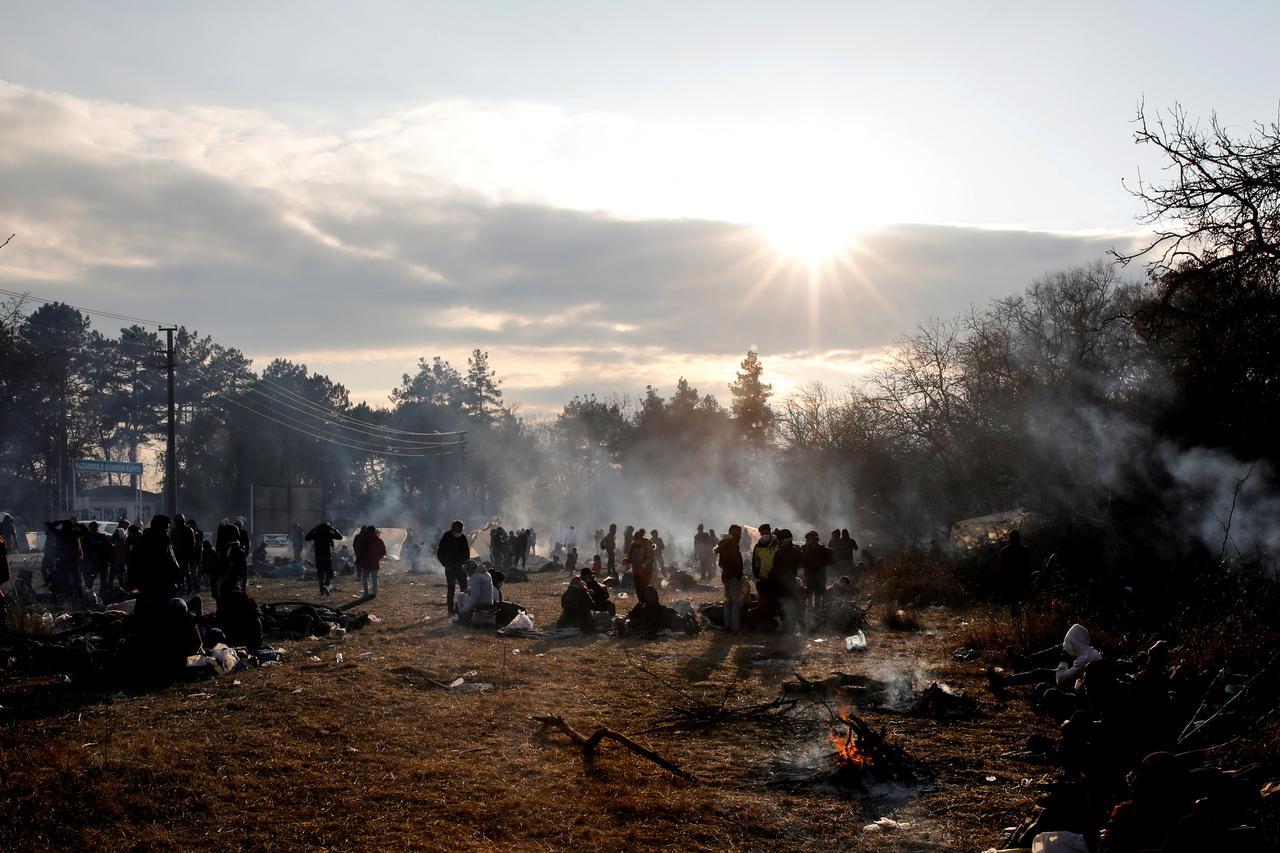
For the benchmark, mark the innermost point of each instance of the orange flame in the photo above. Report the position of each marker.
(846, 744)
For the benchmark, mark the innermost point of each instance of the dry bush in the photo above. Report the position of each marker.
(917, 579)
(1029, 631)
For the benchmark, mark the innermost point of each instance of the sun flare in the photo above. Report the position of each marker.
(811, 236)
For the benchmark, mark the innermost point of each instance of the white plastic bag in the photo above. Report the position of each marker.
(1059, 842)
(856, 642)
(522, 622)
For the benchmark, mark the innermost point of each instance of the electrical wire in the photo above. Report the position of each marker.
(350, 419)
(111, 314)
(326, 417)
(438, 450)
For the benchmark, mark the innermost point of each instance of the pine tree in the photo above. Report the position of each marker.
(750, 405)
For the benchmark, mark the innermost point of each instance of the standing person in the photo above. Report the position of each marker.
(816, 557)
(641, 556)
(296, 539)
(521, 549)
(4, 579)
(533, 543)
(63, 538)
(784, 577)
(571, 539)
(193, 565)
(453, 553)
(571, 560)
(9, 532)
(659, 549)
(98, 554)
(766, 609)
(703, 551)
(842, 552)
(184, 548)
(119, 551)
(609, 545)
(627, 536)
(371, 554)
(323, 535)
(161, 576)
(357, 545)
(729, 552)
(1015, 571)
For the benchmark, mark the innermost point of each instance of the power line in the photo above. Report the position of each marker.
(348, 418)
(111, 314)
(328, 417)
(437, 450)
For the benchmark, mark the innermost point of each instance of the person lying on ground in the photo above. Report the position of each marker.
(1076, 654)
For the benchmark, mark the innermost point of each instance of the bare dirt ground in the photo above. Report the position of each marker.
(368, 753)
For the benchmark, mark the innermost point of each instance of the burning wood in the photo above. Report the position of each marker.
(862, 752)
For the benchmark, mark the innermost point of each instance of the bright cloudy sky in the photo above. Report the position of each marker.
(601, 195)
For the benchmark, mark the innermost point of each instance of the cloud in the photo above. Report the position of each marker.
(422, 232)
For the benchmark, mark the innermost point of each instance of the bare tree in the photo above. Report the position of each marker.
(1221, 204)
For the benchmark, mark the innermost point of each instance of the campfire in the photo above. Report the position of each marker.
(859, 759)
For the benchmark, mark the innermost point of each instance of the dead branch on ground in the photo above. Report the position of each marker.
(693, 710)
(591, 743)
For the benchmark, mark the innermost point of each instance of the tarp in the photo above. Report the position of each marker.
(989, 529)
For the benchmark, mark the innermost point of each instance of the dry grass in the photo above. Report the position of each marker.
(369, 754)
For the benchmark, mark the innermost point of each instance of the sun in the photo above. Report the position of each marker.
(812, 235)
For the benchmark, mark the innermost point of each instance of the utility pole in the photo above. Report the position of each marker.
(171, 450)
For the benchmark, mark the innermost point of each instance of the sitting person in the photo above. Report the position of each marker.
(480, 591)
(238, 617)
(598, 591)
(576, 605)
(649, 616)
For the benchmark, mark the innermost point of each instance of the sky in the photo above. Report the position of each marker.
(602, 196)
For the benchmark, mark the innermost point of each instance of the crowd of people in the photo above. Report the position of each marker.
(1130, 781)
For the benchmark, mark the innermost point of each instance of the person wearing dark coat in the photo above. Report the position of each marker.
(599, 592)
(815, 557)
(160, 577)
(324, 535)
(4, 579)
(453, 552)
(296, 539)
(9, 532)
(68, 549)
(787, 565)
(576, 607)
(184, 548)
(729, 554)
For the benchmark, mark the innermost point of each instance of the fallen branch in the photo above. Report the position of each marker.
(591, 744)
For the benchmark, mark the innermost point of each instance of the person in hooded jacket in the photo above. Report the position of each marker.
(1077, 653)
(372, 552)
(480, 592)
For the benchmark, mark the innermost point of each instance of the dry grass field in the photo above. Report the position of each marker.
(370, 754)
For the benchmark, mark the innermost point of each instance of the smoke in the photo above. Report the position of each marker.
(1200, 496)
(672, 489)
